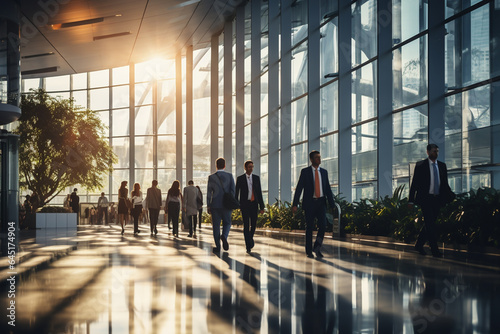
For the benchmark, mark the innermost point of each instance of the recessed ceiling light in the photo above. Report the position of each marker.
(58, 26)
(125, 33)
(38, 55)
(40, 70)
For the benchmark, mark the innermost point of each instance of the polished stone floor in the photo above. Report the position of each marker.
(140, 284)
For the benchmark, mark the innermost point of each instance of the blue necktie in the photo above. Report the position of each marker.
(436, 179)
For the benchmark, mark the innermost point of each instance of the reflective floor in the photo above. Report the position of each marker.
(142, 284)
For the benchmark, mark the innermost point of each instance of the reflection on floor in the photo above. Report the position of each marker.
(141, 284)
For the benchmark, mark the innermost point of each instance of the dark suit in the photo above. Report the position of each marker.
(430, 203)
(314, 208)
(249, 209)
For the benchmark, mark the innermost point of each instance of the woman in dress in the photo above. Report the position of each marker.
(173, 206)
(122, 205)
(137, 199)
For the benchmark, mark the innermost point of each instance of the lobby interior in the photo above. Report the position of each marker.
(179, 83)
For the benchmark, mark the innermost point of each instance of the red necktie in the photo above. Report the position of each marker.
(317, 191)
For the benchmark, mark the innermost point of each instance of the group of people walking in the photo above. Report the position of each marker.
(429, 189)
(191, 203)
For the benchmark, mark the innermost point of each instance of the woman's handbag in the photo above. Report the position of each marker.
(228, 201)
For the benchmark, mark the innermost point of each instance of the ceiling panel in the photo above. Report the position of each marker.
(159, 28)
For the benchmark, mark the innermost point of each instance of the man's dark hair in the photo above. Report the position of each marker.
(75, 190)
(220, 163)
(248, 162)
(190, 182)
(312, 154)
(431, 146)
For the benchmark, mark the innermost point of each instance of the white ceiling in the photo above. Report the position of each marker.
(158, 28)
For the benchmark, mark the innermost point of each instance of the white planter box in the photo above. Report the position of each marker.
(56, 220)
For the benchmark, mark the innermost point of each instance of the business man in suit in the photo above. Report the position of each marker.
(430, 189)
(218, 183)
(314, 181)
(249, 193)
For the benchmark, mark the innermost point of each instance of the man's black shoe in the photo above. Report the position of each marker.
(248, 250)
(225, 245)
(437, 254)
(318, 253)
(420, 250)
(310, 255)
(216, 250)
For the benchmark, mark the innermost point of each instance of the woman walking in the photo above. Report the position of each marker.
(173, 206)
(136, 195)
(122, 205)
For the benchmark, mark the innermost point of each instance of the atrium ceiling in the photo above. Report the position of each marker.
(73, 36)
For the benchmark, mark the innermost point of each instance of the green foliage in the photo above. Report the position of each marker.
(473, 219)
(60, 145)
(54, 209)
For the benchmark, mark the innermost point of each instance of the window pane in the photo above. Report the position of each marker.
(299, 120)
(409, 19)
(119, 175)
(299, 21)
(121, 97)
(364, 149)
(144, 151)
(329, 108)
(143, 93)
(410, 135)
(54, 84)
(99, 78)
(104, 117)
(99, 99)
(144, 120)
(329, 51)
(166, 152)
(31, 84)
(80, 97)
(467, 49)
(121, 75)
(166, 107)
(410, 73)
(121, 149)
(121, 122)
(80, 81)
(364, 93)
(300, 159)
(165, 179)
(364, 31)
(299, 70)
(329, 148)
(144, 177)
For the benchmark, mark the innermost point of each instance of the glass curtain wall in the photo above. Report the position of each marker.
(138, 102)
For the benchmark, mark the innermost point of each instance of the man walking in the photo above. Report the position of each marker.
(249, 193)
(219, 183)
(102, 207)
(75, 204)
(190, 206)
(314, 181)
(430, 189)
(153, 200)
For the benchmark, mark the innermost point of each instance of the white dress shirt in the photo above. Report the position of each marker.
(431, 167)
(250, 185)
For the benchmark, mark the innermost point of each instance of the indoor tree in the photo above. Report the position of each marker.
(61, 145)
